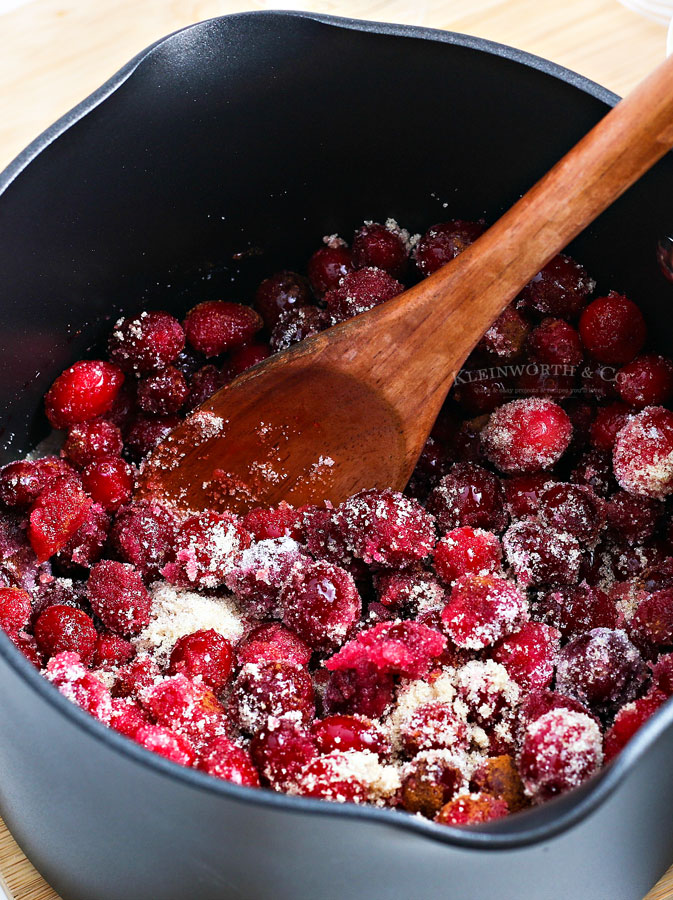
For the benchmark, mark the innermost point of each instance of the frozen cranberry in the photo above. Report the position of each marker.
(530, 655)
(402, 647)
(594, 469)
(442, 243)
(112, 650)
(560, 289)
(581, 414)
(576, 608)
(506, 337)
(429, 783)
(410, 592)
(21, 482)
(340, 732)
(296, 325)
(27, 645)
(66, 672)
(498, 777)
(269, 524)
(381, 247)
(127, 716)
(600, 668)
(109, 481)
(434, 726)
(573, 508)
(337, 777)
(467, 551)
(662, 674)
(206, 549)
(487, 691)
(646, 381)
(281, 752)
(324, 539)
(280, 292)
(86, 545)
(143, 534)
(119, 597)
(386, 527)
(536, 703)
(480, 395)
(273, 642)
(321, 603)
(248, 355)
(15, 609)
(162, 392)
(482, 609)
(91, 441)
(56, 515)
(145, 432)
(84, 391)
(145, 342)
(272, 689)
(608, 423)
(203, 653)
(365, 691)
(257, 577)
(526, 435)
(186, 707)
(556, 343)
(612, 329)
(203, 384)
(652, 622)
(634, 519)
(471, 809)
(467, 445)
(560, 750)
(468, 495)
(539, 380)
(62, 628)
(643, 454)
(628, 720)
(327, 267)
(214, 326)
(360, 291)
(124, 407)
(539, 554)
(135, 677)
(165, 743)
(224, 759)
(522, 493)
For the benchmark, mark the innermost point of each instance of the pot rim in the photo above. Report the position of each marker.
(485, 837)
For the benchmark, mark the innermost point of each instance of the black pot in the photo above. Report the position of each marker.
(258, 133)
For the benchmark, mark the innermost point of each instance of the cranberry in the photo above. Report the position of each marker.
(15, 609)
(381, 246)
(150, 340)
(575, 509)
(434, 726)
(527, 435)
(597, 381)
(119, 597)
(258, 576)
(633, 519)
(21, 482)
(480, 395)
(321, 603)
(652, 622)
(410, 592)
(124, 407)
(403, 648)
(226, 760)
(296, 325)
(601, 668)
(146, 432)
(282, 751)
(91, 441)
(203, 384)
(594, 469)
(163, 392)
(468, 495)
(522, 493)
(214, 326)
(608, 423)
(135, 677)
(143, 534)
(109, 481)
(206, 549)
(530, 655)
(467, 551)
(556, 343)
(442, 243)
(536, 703)
(335, 776)
(127, 717)
(429, 783)
(662, 674)
(506, 337)
(86, 545)
(482, 609)
(112, 650)
(576, 608)
(269, 524)
(498, 777)
(471, 809)
(248, 355)
(628, 720)
(646, 381)
(166, 743)
(84, 391)
(186, 707)
(62, 628)
(280, 292)
(365, 691)
(539, 554)
(271, 689)
(581, 414)
(612, 329)
(203, 653)
(360, 291)
(66, 672)
(273, 642)
(560, 289)
(57, 514)
(538, 380)
(340, 732)
(560, 750)
(643, 454)
(327, 267)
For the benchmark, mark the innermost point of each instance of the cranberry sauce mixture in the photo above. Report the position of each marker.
(484, 642)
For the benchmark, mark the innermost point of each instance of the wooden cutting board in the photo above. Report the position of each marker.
(55, 52)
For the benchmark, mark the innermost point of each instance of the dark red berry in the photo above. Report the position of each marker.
(109, 481)
(296, 325)
(573, 508)
(280, 292)
(560, 289)
(57, 514)
(612, 329)
(148, 341)
(539, 554)
(248, 355)
(381, 247)
(163, 392)
(360, 291)
(468, 495)
(506, 337)
(15, 609)
(22, 481)
(215, 326)
(608, 423)
(84, 391)
(643, 454)
(442, 243)
(526, 435)
(145, 432)
(556, 343)
(90, 441)
(646, 381)
(226, 760)
(62, 628)
(320, 602)
(143, 534)
(203, 653)
(119, 597)
(482, 609)
(327, 267)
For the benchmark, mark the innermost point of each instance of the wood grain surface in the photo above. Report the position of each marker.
(55, 52)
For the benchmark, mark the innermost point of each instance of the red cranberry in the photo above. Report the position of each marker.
(282, 751)
(215, 326)
(296, 325)
(109, 481)
(84, 391)
(467, 551)
(410, 592)
(381, 247)
(471, 809)
(66, 672)
(594, 469)
(269, 524)
(538, 380)
(334, 777)
(442, 243)
(135, 677)
(112, 650)
(15, 609)
(248, 355)
(482, 609)
(162, 392)
(150, 340)
(21, 482)
(203, 653)
(608, 423)
(530, 655)
(662, 674)
(57, 514)
(633, 519)
(539, 554)
(612, 329)
(143, 534)
(536, 703)
(273, 642)
(597, 381)
(327, 267)
(643, 454)
(272, 689)
(577, 608)
(339, 732)
(646, 381)
(257, 578)
(434, 726)
(575, 509)
(127, 717)
(560, 289)
(560, 750)
(206, 549)
(119, 597)
(203, 384)
(527, 435)
(522, 493)
(360, 291)
(556, 343)
(91, 441)
(628, 720)
(186, 707)
(62, 628)
(480, 395)
(652, 622)
(468, 495)
(165, 743)
(280, 292)
(145, 432)
(86, 545)
(429, 782)
(404, 648)
(506, 337)
(365, 691)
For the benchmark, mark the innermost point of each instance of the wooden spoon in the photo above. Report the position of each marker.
(352, 407)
